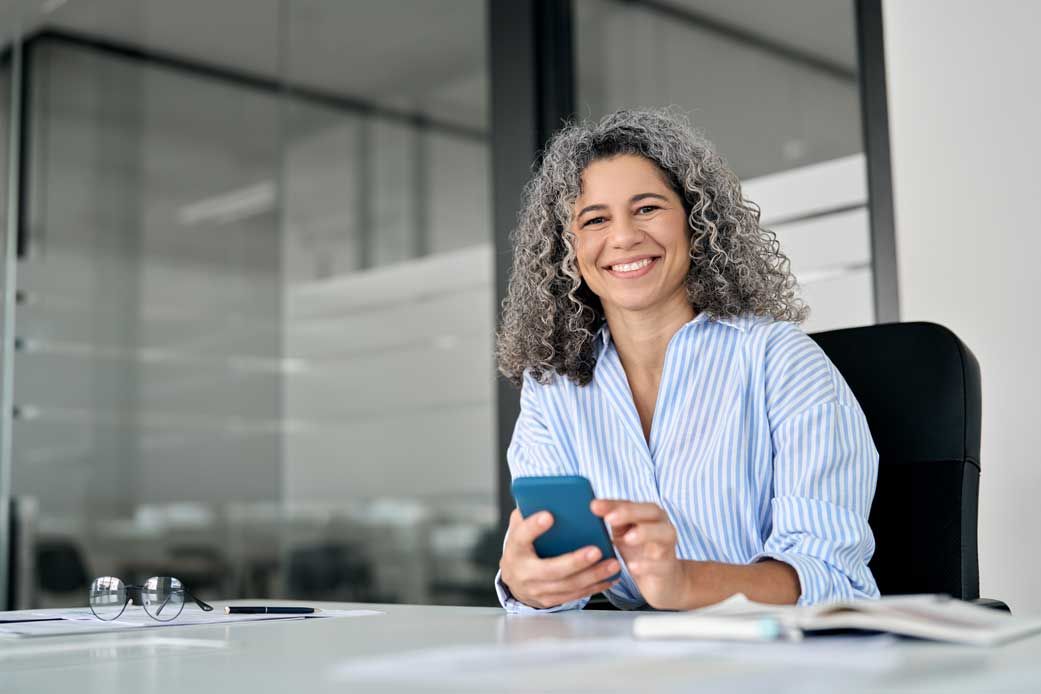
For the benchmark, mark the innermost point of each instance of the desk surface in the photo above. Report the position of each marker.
(393, 652)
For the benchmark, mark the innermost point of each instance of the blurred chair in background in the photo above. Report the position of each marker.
(331, 572)
(61, 573)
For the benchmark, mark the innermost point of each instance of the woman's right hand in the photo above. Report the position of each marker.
(546, 583)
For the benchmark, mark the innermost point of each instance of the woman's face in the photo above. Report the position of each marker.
(631, 236)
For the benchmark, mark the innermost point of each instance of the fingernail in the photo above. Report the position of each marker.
(630, 536)
(592, 553)
(543, 519)
(634, 567)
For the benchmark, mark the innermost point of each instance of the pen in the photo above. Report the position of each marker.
(242, 609)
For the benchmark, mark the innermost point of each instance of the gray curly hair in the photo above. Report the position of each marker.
(550, 317)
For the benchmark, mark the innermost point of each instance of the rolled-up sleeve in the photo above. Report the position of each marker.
(535, 450)
(825, 467)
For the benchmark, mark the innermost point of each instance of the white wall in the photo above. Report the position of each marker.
(964, 110)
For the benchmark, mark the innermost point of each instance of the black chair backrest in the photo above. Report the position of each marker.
(919, 387)
(60, 567)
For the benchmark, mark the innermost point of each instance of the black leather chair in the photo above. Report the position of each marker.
(919, 386)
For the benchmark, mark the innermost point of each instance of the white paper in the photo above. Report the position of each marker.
(151, 642)
(80, 620)
(345, 613)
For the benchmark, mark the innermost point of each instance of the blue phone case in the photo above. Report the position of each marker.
(574, 525)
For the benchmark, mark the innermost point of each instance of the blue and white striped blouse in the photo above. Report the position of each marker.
(757, 449)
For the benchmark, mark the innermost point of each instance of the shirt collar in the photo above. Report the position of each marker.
(739, 323)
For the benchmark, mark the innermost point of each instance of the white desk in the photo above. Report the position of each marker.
(302, 657)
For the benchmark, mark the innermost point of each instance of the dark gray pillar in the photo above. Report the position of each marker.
(532, 92)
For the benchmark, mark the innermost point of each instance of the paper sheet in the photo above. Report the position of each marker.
(80, 620)
(150, 642)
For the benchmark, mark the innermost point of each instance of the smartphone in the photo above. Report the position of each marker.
(567, 497)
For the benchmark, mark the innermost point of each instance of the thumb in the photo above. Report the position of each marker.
(524, 531)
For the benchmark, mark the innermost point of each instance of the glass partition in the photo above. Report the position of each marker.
(10, 62)
(774, 86)
(255, 319)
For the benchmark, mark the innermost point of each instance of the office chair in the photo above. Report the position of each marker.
(62, 577)
(332, 571)
(919, 387)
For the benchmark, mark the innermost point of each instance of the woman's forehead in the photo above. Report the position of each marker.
(621, 174)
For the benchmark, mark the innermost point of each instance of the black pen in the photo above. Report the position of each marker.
(240, 609)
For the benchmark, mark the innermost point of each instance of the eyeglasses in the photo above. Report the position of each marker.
(161, 596)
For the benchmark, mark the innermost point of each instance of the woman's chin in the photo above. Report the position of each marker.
(634, 304)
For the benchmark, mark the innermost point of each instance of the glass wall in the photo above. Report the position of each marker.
(251, 298)
(255, 318)
(10, 24)
(774, 86)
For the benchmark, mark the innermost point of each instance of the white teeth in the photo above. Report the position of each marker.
(629, 267)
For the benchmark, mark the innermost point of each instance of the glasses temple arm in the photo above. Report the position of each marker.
(204, 606)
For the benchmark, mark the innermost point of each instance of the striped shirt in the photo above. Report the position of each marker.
(757, 449)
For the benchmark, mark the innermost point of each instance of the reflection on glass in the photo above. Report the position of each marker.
(162, 597)
(774, 86)
(107, 597)
(255, 345)
(767, 110)
(5, 136)
(10, 51)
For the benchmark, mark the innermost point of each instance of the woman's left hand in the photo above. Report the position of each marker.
(646, 539)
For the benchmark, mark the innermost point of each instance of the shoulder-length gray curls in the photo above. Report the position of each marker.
(550, 317)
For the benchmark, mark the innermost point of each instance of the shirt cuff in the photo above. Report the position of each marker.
(818, 582)
(514, 606)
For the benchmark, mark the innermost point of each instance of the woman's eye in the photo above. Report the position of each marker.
(639, 210)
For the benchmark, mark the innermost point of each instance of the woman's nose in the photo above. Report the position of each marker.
(625, 232)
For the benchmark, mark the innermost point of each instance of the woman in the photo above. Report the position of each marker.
(651, 324)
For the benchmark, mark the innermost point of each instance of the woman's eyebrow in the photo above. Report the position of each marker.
(635, 198)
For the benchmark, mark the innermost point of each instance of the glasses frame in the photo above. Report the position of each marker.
(133, 595)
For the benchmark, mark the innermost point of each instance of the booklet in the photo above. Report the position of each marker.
(934, 617)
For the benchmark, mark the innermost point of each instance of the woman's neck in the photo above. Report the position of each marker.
(641, 337)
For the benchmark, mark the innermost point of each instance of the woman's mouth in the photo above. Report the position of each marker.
(634, 269)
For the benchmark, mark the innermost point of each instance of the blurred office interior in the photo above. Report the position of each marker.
(249, 270)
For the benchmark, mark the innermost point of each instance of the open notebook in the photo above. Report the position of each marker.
(934, 617)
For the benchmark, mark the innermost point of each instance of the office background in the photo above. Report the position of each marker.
(253, 253)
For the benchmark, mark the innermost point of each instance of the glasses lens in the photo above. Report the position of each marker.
(108, 597)
(163, 597)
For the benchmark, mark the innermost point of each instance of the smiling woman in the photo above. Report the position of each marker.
(651, 323)
(735, 267)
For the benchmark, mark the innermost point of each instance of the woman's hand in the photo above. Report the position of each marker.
(646, 539)
(546, 583)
